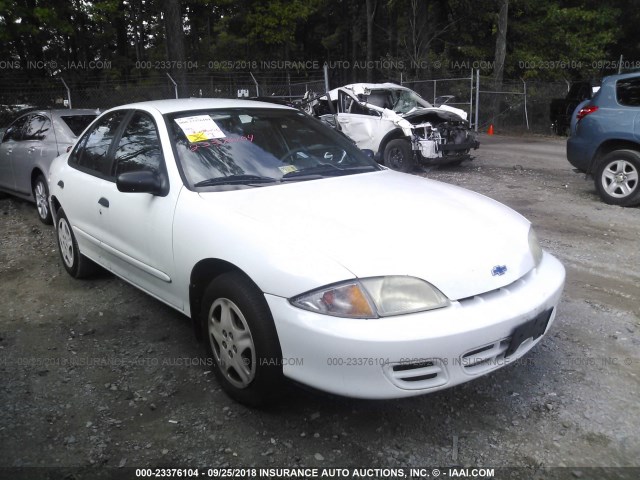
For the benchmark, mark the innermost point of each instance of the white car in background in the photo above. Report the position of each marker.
(398, 125)
(281, 240)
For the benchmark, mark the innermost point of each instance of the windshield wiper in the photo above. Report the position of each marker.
(326, 170)
(234, 180)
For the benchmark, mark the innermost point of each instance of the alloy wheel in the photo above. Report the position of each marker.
(232, 343)
(620, 178)
(40, 191)
(66, 242)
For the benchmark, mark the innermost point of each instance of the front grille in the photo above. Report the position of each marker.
(417, 375)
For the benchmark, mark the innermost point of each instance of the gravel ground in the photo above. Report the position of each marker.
(96, 374)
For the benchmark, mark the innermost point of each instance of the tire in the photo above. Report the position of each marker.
(560, 129)
(76, 264)
(41, 196)
(399, 156)
(240, 336)
(455, 163)
(617, 178)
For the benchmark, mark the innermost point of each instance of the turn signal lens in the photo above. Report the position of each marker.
(347, 300)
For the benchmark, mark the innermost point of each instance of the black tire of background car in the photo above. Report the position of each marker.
(268, 383)
(399, 156)
(455, 163)
(630, 156)
(47, 219)
(82, 267)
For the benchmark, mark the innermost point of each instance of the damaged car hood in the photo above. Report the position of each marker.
(435, 115)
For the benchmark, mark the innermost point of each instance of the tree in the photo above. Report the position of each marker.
(174, 41)
(501, 44)
(371, 15)
(500, 55)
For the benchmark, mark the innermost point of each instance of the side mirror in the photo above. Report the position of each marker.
(142, 181)
(368, 152)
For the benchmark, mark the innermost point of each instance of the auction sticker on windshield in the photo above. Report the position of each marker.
(199, 128)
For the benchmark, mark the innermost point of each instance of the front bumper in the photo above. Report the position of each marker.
(417, 353)
(459, 147)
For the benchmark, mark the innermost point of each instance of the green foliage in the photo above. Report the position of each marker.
(545, 39)
(566, 42)
(276, 22)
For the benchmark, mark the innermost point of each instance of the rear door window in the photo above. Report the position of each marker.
(91, 155)
(37, 127)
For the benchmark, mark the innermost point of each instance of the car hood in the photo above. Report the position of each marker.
(389, 223)
(443, 113)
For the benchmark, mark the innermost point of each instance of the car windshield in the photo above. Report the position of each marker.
(406, 100)
(260, 146)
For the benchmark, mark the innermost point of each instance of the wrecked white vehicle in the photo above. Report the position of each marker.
(397, 124)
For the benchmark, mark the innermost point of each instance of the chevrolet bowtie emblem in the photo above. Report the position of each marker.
(499, 270)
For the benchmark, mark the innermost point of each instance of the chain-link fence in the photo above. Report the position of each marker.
(510, 107)
(18, 95)
(517, 106)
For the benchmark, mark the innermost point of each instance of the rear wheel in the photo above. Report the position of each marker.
(399, 156)
(76, 264)
(617, 178)
(241, 338)
(41, 195)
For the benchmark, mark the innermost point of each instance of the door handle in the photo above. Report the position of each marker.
(104, 202)
(31, 149)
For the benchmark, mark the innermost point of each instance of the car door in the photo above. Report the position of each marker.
(10, 141)
(38, 142)
(138, 238)
(88, 182)
(364, 126)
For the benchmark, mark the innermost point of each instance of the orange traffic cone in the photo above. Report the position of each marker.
(490, 131)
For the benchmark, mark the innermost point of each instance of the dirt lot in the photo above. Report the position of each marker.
(95, 374)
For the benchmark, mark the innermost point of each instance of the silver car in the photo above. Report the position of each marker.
(29, 145)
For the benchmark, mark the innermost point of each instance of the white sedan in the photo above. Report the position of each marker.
(294, 253)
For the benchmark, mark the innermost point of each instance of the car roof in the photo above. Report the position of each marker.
(61, 112)
(359, 88)
(622, 76)
(185, 104)
(376, 86)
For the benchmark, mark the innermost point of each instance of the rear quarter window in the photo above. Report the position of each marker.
(628, 92)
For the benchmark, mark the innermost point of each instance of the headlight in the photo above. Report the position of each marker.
(373, 297)
(534, 247)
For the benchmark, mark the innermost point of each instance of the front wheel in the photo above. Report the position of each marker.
(41, 195)
(617, 178)
(241, 338)
(399, 156)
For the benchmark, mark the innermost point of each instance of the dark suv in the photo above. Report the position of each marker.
(605, 139)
